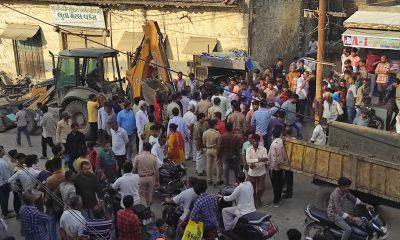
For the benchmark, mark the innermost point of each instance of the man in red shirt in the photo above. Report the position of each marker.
(372, 61)
(128, 222)
(220, 126)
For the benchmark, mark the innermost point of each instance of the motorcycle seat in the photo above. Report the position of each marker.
(254, 218)
(321, 215)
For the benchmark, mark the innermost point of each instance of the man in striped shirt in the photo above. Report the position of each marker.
(99, 227)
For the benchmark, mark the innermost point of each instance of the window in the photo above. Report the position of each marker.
(66, 73)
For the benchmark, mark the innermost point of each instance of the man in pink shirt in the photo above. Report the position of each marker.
(372, 61)
(355, 59)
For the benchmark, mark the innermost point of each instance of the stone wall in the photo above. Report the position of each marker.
(228, 26)
(50, 39)
(275, 30)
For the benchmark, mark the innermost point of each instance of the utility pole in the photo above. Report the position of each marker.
(320, 57)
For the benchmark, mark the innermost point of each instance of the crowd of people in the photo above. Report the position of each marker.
(235, 127)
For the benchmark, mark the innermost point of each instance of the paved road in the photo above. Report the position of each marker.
(289, 215)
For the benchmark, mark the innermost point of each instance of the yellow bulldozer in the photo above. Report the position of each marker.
(81, 72)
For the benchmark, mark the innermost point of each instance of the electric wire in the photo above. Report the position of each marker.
(202, 81)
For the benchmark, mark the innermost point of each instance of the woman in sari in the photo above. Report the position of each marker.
(175, 145)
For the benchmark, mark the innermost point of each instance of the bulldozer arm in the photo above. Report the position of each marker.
(151, 49)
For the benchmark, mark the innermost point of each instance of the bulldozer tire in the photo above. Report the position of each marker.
(31, 122)
(79, 114)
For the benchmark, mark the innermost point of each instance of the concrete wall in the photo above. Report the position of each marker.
(275, 30)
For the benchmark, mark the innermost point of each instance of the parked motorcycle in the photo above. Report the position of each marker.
(318, 223)
(171, 214)
(374, 121)
(112, 203)
(13, 92)
(255, 226)
(172, 179)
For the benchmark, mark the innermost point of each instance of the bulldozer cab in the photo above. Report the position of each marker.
(95, 69)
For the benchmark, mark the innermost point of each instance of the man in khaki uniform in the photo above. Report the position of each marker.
(210, 140)
(216, 108)
(198, 130)
(237, 119)
(146, 166)
(204, 104)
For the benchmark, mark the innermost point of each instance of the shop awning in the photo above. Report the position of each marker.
(198, 45)
(19, 31)
(130, 41)
(374, 20)
(377, 39)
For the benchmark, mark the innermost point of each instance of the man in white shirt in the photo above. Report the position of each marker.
(224, 101)
(175, 98)
(319, 134)
(185, 198)
(256, 156)
(25, 175)
(332, 109)
(141, 120)
(63, 128)
(182, 127)
(22, 125)
(128, 184)
(105, 114)
(243, 195)
(190, 119)
(195, 100)
(312, 47)
(119, 139)
(72, 223)
(215, 108)
(158, 150)
(185, 100)
(49, 125)
(302, 92)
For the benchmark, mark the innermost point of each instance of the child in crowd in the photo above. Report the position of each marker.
(147, 128)
(92, 154)
(161, 229)
(155, 132)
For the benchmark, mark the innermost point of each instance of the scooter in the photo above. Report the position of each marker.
(171, 179)
(112, 203)
(374, 121)
(318, 223)
(255, 225)
(171, 214)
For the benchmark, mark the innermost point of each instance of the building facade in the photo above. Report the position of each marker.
(266, 28)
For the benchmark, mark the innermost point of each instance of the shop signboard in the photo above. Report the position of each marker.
(371, 42)
(78, 16)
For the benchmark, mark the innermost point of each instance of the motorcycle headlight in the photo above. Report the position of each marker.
(384, 230)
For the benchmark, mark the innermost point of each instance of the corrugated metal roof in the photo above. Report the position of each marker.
(130, 41)
(19, 31)
(374, 20)
(198, 45)
(177, 3)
